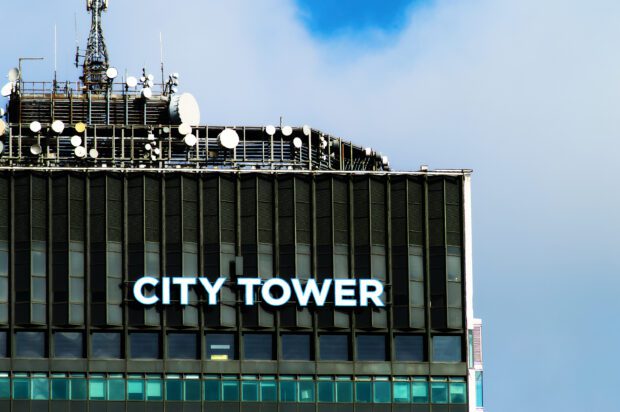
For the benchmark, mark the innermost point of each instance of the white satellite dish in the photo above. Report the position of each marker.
(36, 149)
(368, 151)
(3, 127)
(270, 130)
(297, 143)
(7, 89)
(150, 137)
(2, 112)
(35, 127)
(147, 93)
(190, 140)
(228, 138)
(1, 147)
(307, 130)
(323, 144)
(148, 147)
(185, 129)
(287, 131)
(76, 141)
(13, 74)
(131, 82)
(150, 77)
(150, 83)
(184, 109)
(94, 153)
(111, 73)
(157, 151)
(80, 152)
(165, 130)
(58, 126)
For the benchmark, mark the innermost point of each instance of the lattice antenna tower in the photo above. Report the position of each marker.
(96, 56)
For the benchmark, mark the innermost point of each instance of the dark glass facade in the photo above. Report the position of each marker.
(72, 244)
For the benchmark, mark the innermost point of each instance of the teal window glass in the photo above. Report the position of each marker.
(306, 390)
(78, 389)
(479, 390)
(363, 392)
(230, 390)
(21, 388)
(212, 390)
(116, 389)
(154, 390)
(268, 391)
(439, 392)
(402, 392)
(60, 389)
(40, 389)
(458, 392)
(174, 390)
(192, 390)
(419, 392)
(135, 390)
(344, 392)
(288, 391)
(249, 391)
(96, 390)
(5, 388)
(327, 391)
(382, 392)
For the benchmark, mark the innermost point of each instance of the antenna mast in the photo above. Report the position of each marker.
(96, 57)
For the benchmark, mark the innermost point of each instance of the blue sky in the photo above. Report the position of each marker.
(525, 92)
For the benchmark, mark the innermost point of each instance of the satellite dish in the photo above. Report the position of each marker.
(190, 140)
(368, 151)
(156, 151)
(228, 138)
(307, 130)
(35, 127)
(80, 127)
(148, 147)
(287, 131)
(184, 109)
(270, 130)
(1, 147)
(165, 130)
(13, 74)
(36, 149)
(94, 153)
(80, 152)
(150, 137)
(76, 141)
(185, 129)
(7, 89)
(150, 77)
(150, 83)
(131, 82)
(297, 143)
(147, 93)
(2, 112)
(58, 126)
(324, 144)
(3, 127)
(111, 73)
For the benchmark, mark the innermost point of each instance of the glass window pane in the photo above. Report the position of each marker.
(106, 345)
(409, 348)
(39, 289)
(249, 391)
(458, 392)
(447, 349)
(306, 391)
(326, 391)
(439, 392)
(192, 390)
(454, 268)
(60, 389)
(344, 392)
(296, 347)
(220, 346)
(212, 390)
(68, 345)
(135, 390)
(154, 390)
(258, 346)
(230, 390)
(268, 391)
(455, 295)
(5, 388)
(78, 389)
(371, 348)
(401, 392)
(21, 388)
(96, 390)
(174, 390)
(419, 391)
(363, 392)
(334, 347)
(30, 344)
(4, 349)
(288, 391)
(116, 389)
(416, 267)
(38, 263)
(382, 392)
(76, 263)
(144, 345)
(182, 346)
(479, 390)
(40, 389)
(76, 286)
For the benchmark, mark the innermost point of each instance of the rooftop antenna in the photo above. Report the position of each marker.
(161, 53)
(96, 58)
(55, 55)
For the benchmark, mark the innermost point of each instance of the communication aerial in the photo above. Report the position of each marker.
(184, 110)
(7, 89)
(13, 74)
(96, 58)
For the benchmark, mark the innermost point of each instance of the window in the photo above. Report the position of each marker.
(114, 291)
(4, 344)
(230, 390)
(76, 282)
(458, 392)
(38, 271)
(402, 392)
(106, 345)
(439, 390)
(447, 349)
(212, 389)
(68, 345)
(479, 389)
(258, 346)
(371, 348)
(326, 390)
(40, 387)
(268, 390)
(30, 344)
(334, 347)
(174, 389)
(306, 389)
(382, 391)
(135, 389)
(344, 390)
(249, 389)
(419, 390)
(363, 391)
(144, 345)
(4, 281)
(154, 389)
(220, 346)
(296, 347)
(409, 348)
(116, 389)
(182, 346)
(288, 389)
(60, 389)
